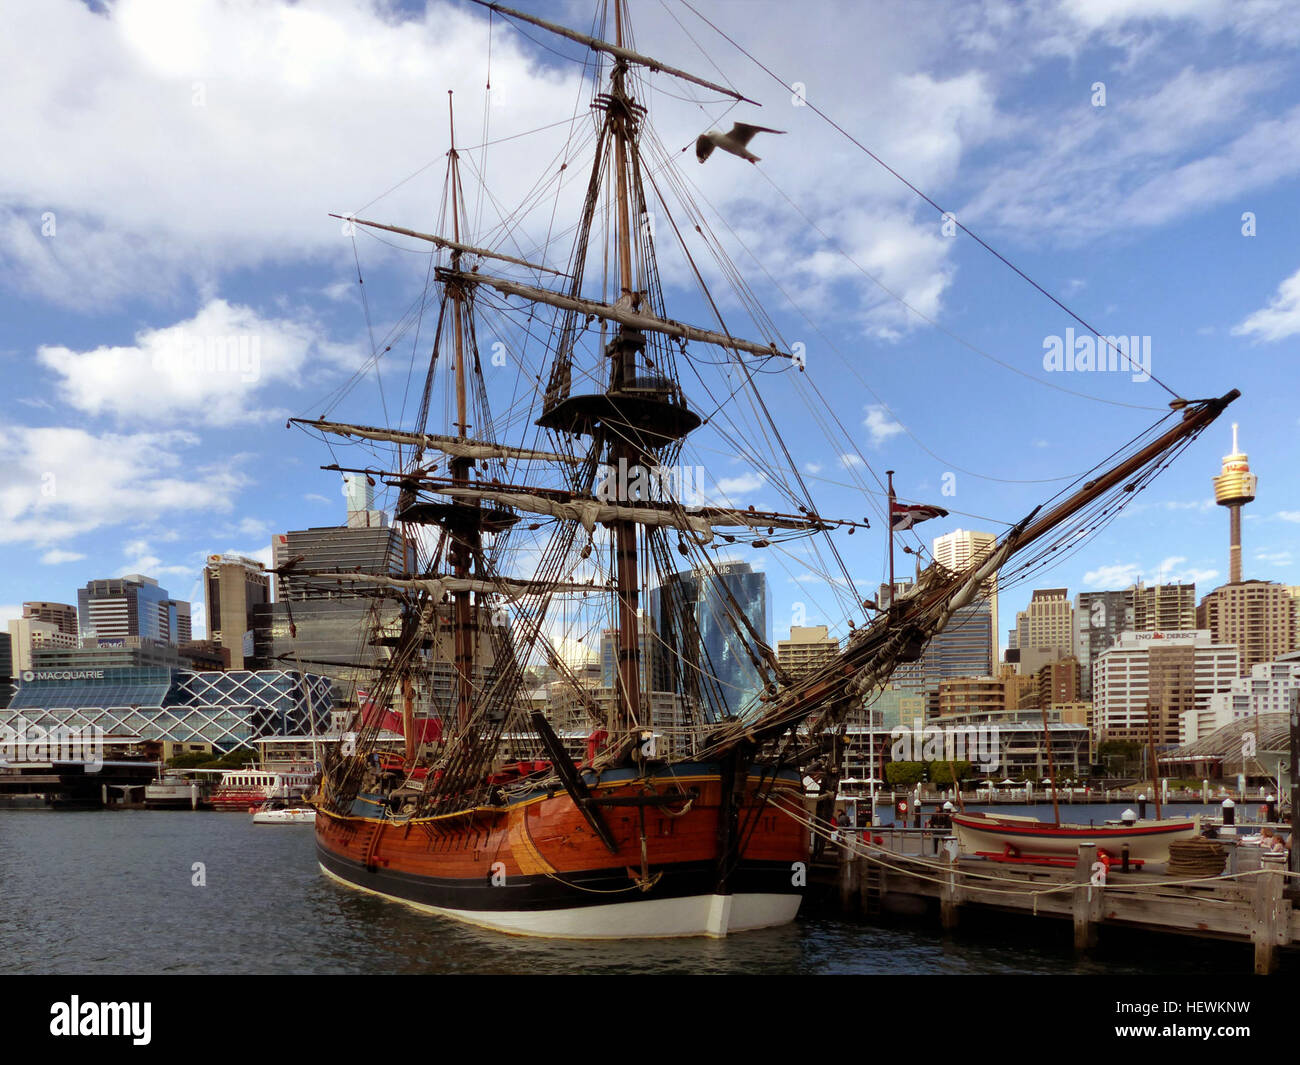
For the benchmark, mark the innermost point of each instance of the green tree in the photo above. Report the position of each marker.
(940, 773)
(1119, 756)
(904, 773)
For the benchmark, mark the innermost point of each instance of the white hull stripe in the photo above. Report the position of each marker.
(695, 915)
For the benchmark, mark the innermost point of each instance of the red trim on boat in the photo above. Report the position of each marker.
(1066, 831)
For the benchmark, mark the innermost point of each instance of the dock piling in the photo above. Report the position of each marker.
(1087, 899)
(1270, 926)
(850, 879)
(950, 896)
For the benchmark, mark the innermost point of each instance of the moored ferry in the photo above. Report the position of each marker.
(241, 788)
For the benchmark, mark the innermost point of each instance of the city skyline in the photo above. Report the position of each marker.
(265, 557)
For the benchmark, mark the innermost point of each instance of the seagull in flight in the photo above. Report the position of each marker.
(733, 142)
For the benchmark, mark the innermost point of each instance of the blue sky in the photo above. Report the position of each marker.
(176, 165)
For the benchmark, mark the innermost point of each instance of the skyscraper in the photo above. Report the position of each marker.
(133, 605)
(1145, 683)
(1169, 607)
(359, 492)
(1255, 616)
(722, 657)
(328, 626)
(62, 615)
(958, 549)
(1046, 630)
(965, 648)
(653, 667)
(807, 649)
(6, 669)
(1099, 619)
(233, 586)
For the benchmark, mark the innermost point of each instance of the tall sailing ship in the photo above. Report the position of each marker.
(681, 812)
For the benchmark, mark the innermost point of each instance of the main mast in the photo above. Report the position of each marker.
(623, 353)
(464, 535)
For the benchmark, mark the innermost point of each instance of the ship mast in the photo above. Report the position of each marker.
(623, 351)
(464, 535)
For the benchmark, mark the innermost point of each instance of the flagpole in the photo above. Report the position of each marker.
(890, 522)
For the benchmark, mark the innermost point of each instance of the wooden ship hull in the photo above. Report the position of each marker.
(536, 866)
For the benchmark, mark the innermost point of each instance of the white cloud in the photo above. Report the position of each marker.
(253, 527)
(1118, 575)
(741, 485)
(880, 425)
(850, 461)
(1174, 144)
(260, 554)
(176, 141)
(1264, 20)
(63, 482)
(1280, 319)
(142, 560)
(209, 369)
(248, 122)
(1170, 570)
(57, 557)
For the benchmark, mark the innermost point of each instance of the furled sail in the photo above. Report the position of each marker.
(592, 512)
(439, 584)
(647, 323)
(455, 446)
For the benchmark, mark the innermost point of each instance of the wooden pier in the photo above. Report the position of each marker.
(911, 869)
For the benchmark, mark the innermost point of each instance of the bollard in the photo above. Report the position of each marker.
(1142, 807)
(1229, 817)
(1123, 858)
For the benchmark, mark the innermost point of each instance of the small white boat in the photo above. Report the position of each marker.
(1027, 837)
(284, 815)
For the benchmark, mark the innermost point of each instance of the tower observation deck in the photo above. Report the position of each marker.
(1234, 487)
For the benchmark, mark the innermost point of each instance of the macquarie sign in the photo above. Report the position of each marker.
(38, 676)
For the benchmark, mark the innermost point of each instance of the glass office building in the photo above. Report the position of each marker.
(131, 606)
(326, 627)
(703, 597)
(229, 710)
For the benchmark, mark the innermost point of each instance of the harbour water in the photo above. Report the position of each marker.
(116, 892)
